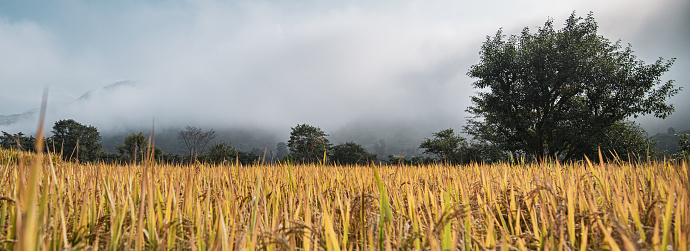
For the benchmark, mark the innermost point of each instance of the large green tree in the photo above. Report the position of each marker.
(76, 141)
(556, 93)
(308, 144)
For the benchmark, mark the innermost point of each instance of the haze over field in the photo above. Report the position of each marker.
(273, 64)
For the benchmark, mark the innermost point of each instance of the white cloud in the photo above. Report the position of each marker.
(27, 56)
(273, 63)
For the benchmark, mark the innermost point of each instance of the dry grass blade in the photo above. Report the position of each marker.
(569, 206)
(29, 229)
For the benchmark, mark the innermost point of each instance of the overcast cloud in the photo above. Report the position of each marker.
(274, 64)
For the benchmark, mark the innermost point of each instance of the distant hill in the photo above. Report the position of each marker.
(9, 119)
(668, 142)
(13, 118)
(166, 139)
(107, 88)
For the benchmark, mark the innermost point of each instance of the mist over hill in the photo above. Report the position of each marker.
(668, 141)
(378, 134)
(382, 74)
(383, 135)
(388, 138)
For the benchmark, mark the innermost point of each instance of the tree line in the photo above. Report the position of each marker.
(307, 145)
(559, 94)
(77, 142)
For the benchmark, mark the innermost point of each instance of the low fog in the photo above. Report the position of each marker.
(360, 71)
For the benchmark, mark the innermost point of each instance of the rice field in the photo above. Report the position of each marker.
(47, 204)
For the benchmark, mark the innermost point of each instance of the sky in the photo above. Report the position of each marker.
(276, 64)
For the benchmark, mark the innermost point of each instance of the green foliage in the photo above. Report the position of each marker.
(308, 144)
(416, 160)
(667, 143)
(450, 148)
(247, 158)
(683, 147)
(110, 158)
(281, 150)
(556, 93)
(17, 141)
(170, 158)
(351, 153)
(627, 140)
(135, 148)
(75, 141)
(221, 152)
(482, 151)
(445, 145)
(684, 144)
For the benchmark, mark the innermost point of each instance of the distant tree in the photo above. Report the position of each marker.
(110, 158)
(135, 148)
(482, 151)
(412, 161)
(671, 130)
(195, 140)
(281, 150)
(258, 151)
(76, 141)
(351, 153)
(247, 158)
(171, 158)
(308, 144)
(221, 152)
(445, 145)
(17, 141)
(449, 147)
(683, 146)
(556, 93)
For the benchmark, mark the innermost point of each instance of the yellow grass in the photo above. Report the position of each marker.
(551, 206)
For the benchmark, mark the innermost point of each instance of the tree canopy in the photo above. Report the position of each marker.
(351, 153)
(445, 145)
(625, 140)
(308, 144)
(281, 150)
(135, 148)
(195, 139)
(451, 148)
(683, 147)
(557, 93)
(76, 141)
(17, 141)
(221, 152)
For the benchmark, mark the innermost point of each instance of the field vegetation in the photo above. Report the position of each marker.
(50, 204)
(555, 94)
